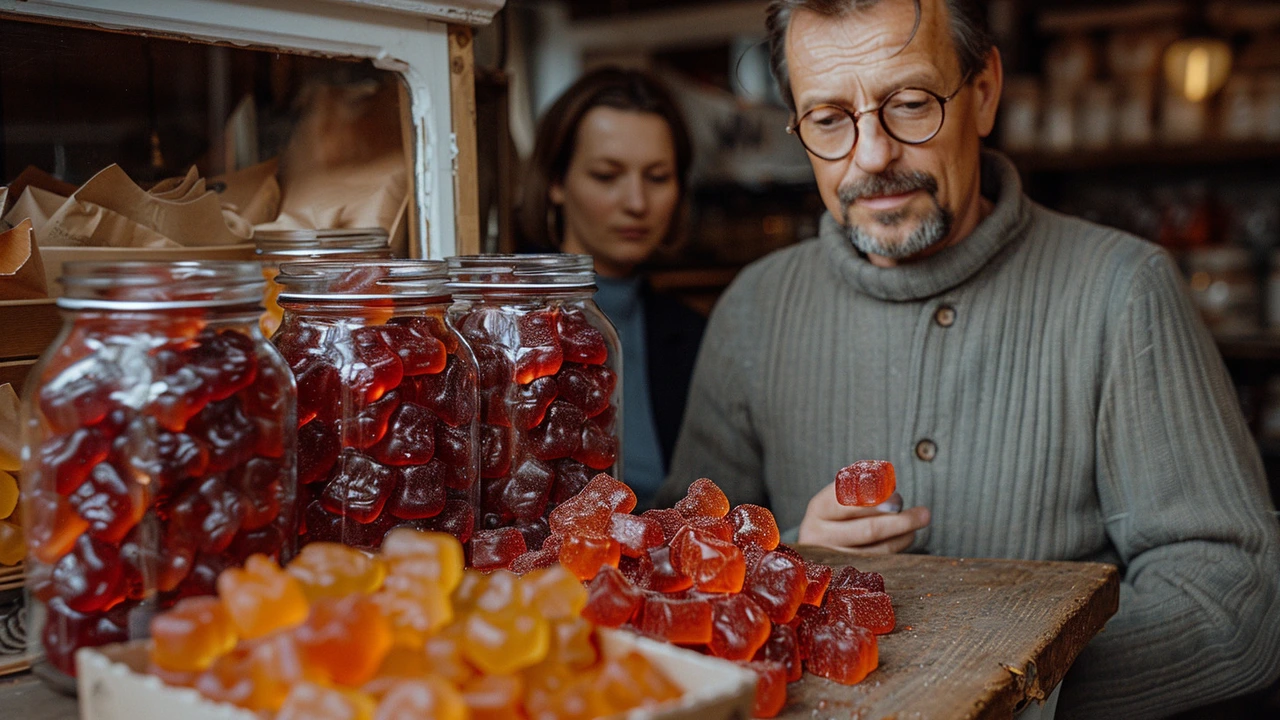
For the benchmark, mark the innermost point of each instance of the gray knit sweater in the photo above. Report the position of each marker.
(1077, 409)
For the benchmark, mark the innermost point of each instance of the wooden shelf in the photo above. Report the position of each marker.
(1200, 154)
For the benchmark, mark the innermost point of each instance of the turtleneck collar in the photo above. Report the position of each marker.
(619, 298)
(949, 267)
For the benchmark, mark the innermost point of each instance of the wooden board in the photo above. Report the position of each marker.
(462, 103)
(974, 639)
(27, 327)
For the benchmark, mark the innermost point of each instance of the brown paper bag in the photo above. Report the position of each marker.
(369, 194)
(35, 177)
(252, 192)
(180, 189)
(10, 427)
(21, 271)
(36, 205)
(111, 210)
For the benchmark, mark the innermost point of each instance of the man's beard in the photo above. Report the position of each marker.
(932, 230)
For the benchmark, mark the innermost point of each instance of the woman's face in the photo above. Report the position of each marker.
(620, 189)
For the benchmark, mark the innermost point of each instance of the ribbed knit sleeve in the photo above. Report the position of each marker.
(717, 439)
(1183, 496)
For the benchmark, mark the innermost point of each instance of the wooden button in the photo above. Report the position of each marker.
(945, 316)
(926, 450)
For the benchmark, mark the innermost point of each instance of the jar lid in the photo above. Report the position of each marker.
(141, 285)
(548, 271)
(357, 280)
(302, 243)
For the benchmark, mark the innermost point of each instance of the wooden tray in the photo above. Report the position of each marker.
(974, 639)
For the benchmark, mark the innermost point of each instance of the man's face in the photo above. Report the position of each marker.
(898, 201)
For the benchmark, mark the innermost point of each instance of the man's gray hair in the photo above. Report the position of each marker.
(969, 31)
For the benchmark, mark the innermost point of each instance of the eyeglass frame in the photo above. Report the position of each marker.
(856, 115)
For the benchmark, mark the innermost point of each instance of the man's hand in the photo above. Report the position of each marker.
(865, 529)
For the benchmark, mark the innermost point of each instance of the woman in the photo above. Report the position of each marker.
(606, 179)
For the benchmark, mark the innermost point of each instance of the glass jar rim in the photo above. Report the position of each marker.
(157, 285)
(363, 280)
(303, 243)
(537, 271)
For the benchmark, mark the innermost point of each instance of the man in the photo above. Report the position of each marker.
(1042, 385)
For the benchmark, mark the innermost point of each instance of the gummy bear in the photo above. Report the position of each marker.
(226, 362)
(851, 577)
(359, 488)
(571, 477)
(345, 638)
(753, 524)
(318, 448)
(331, 570)
(420, 492)
(582, 343)
(783, 647)
(13, 546)
(458, 519)
(410, 438)
(421, 353)
(492, 549)
(494, 697)
(535, 560)
(703, 498)
(611, 600)
(367, 427)
(227, 432)
(454, 447)
(660, 573)
(428, 696)
(840, 651)
(771, 688)
(110, 504)
(819, 577)
(585, 554)
(320, 390)
(871, 610)
(714, 565)
(598, 447)
(777, 582)
(157, 457)
(261, 485)
(588, 387)
(261, 598)
(554, 593)
(68, 459)
(495, 451)
(592, 509)
(89, 578)
(525, 493)
(539, 353)
(718, 528)
(192, 634)
(739, 627)
(374, 369)
(52, 526)
(66, 630)
(535, 531)
(560, 434)
(669, 518)
(450, 394)
(530, 403)
(415, 607)
(636, 535)
(80, 395)
(435, 557)
(210, 512)
(679, 621)
(866, 483)
(308, 701)
(505, 639)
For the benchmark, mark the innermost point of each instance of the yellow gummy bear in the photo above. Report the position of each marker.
(8, 494)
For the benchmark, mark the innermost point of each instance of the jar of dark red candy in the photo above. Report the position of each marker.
(386, 401)
(159, 449)
(275, 247)
(550, 387)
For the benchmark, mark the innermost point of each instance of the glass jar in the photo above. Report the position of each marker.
(386, 400)
(550, 382)
(280, 246)
(158, 446)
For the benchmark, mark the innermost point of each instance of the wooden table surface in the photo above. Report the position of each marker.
(975, 639)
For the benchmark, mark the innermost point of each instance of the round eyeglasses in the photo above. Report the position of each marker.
(909, 115)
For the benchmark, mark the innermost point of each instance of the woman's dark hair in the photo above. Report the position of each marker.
(539, 223)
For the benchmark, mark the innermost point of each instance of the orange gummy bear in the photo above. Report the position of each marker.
(261, 598)
(345, 639)
(309, 701)
(191, 634)
(332, 570)
(428, 696)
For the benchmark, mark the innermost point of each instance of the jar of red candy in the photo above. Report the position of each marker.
(159, 449)
(386, 400)
(550, 387)
(275, 247)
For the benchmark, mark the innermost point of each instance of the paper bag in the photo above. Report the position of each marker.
(21, 272)
(253, 192)
(180, 189)
(10, 429)
(37, 205)
(350, 196)
(110, 210)
(35, 177)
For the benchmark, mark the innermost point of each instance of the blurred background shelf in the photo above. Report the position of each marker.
(1199, 156)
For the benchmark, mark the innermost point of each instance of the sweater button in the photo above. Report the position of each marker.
(945, 316)
(926, 450)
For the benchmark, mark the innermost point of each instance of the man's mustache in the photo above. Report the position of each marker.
(890, 182)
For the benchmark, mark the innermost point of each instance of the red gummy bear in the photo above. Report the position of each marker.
(783, 647)
(494, 549)
(777, 582)
(739, 627)
(679, 621)
(611, 600)
(871, 610)
(866, 483)
(703, 498)
(637, 535)
(755, 525)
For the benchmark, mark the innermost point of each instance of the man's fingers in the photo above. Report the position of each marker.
(864, 532)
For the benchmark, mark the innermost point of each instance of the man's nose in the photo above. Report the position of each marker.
(875, 150)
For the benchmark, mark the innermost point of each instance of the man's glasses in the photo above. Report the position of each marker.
(909, 115)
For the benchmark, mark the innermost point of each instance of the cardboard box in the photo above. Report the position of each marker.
(113, 685)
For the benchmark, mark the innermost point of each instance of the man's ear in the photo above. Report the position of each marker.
(987, 86)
